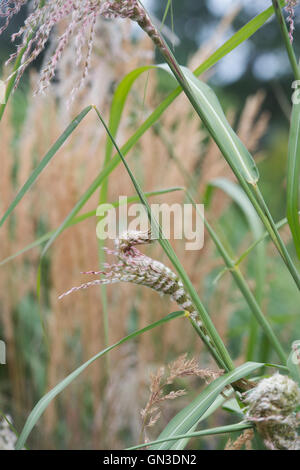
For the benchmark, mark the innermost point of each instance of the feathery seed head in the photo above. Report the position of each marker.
(80, 19)
(121, 9)
(290, 19)
(271, 407)
(80, 16)
(135, 267)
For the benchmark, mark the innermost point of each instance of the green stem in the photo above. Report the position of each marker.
(214, 353)
(286, 38)
(262, 210)
(205, 432)
(258, 316)
(243, 286)
(101, 257)
(253, 340)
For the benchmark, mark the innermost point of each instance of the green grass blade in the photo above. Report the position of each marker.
(238, 38)
(219, 401)
(169, 2)
(166, 246)
(293, 173)
(116, 110)
(44, 162)
(243, 166)
(184, 421)
(241, 283)
(118, 103)
(211, 113)
(41, 406)
(205, 432)
(281, 223)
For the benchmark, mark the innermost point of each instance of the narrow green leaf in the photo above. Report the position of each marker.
(116, 110)
(118, 103)
(216, 346)
(41, 406)
(44, 162)
(211, 113)
(281, 223)
(244, 288)
(293, 173)
(190, 415)
(248, 30)
(238, 38)
(205, 432)
(182, 443)
(286, 36)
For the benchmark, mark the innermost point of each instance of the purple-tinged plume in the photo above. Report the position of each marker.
(291, 15)
(135, 267)
(79, 18)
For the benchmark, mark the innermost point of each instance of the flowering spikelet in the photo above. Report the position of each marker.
(290, 19)
(243, 440)
(271, 407)
(8, 9)
(133, 10)
(81, 17)
(181, 367)
(135, 267)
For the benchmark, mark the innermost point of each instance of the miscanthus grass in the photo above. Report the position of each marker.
(272, 403)
(79, 21)
(78, 18)
(290, 19)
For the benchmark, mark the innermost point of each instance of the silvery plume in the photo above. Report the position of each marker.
(272, 407)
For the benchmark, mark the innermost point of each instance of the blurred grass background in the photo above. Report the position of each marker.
(101, 409)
